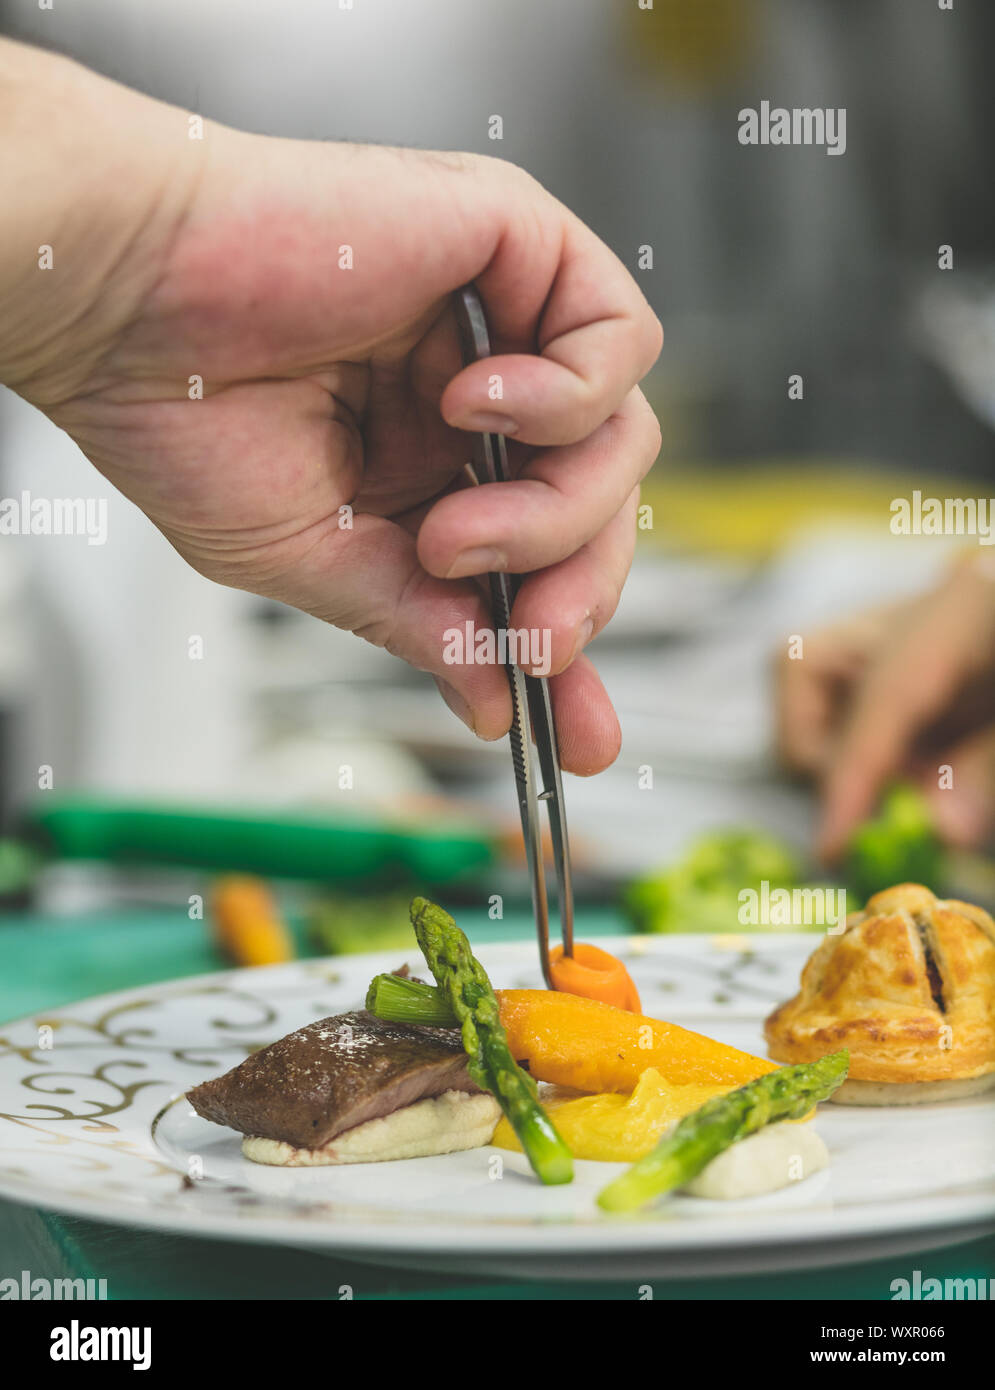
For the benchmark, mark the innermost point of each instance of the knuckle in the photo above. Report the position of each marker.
(503, 168)
(654, 437)
(653, 335)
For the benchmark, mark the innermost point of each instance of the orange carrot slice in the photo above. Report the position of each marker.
(247, 924)
(594, 974)
(596, 1047)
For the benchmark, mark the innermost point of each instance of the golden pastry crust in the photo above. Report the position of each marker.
(908, 987)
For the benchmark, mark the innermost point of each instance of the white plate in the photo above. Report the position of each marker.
(92, 1122)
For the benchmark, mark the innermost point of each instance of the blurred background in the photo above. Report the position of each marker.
(770, 515)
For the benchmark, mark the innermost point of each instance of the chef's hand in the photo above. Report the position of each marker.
(902, 691)
(307, 285)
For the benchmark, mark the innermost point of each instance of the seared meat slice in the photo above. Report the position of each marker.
(333, 1075)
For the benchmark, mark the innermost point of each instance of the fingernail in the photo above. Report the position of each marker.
(486, 423)
(456, 703)
(584, 634)
(482, 560)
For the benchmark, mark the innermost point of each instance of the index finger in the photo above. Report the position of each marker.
(899, 697)
(572, 334)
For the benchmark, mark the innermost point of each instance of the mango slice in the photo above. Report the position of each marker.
(596, 1047)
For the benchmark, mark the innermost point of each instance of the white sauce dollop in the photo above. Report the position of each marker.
(774, 1157)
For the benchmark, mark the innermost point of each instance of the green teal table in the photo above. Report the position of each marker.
(44, 963)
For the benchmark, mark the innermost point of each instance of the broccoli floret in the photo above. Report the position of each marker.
(899, 845)
(700, 893)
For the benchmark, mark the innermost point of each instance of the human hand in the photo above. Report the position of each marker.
(327, 387)
(901, 691)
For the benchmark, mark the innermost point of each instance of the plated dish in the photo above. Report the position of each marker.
(95, 1121)
(426, 1070)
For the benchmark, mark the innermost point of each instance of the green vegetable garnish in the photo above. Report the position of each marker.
(398, 1000)
(701, 891)
(785, 1094)
(344, 923)
(899, 845)
(19, 867)
(464, 984)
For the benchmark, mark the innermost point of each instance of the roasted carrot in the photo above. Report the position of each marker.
(593, 1046)
(594, 974)
(247, 924)
(583, 1043)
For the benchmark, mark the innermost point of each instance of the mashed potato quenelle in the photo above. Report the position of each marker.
(772, 1158)
(442, 1124)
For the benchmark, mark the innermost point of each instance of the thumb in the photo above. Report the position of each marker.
(900, 696)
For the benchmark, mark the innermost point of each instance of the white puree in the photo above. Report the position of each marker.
(437, 1125)
(773, 1157)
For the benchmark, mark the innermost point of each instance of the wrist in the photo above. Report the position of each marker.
(97, 178)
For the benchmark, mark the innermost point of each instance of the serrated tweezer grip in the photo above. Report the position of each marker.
(529, 694)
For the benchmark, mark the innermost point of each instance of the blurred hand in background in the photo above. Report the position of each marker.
(904, 690)
(307, 285)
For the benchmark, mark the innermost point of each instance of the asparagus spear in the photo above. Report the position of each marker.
(785, 1094)
(463, 982)
(399, 1000)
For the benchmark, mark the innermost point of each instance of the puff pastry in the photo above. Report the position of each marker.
(909, 988)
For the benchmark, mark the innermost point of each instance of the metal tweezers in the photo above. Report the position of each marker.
(529, 694)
